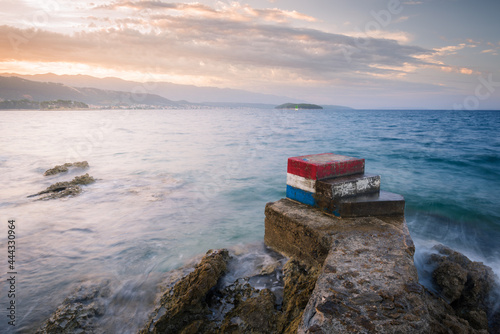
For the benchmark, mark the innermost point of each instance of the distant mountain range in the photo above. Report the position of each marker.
(115, 92)
(14, 88)
(86, 85)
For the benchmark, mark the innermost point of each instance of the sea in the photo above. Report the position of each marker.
(172, 184)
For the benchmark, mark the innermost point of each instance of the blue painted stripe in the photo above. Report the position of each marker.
(300, 195)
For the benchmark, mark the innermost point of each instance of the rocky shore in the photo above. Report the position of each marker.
(353, 273)
(64, 188)
(339, 276)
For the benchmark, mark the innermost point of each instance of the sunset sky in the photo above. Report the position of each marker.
(361, 53)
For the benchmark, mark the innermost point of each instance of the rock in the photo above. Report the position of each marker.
(83, 179)
(64, 168)
(237, 307)
(270, 268)
(183, 308)
(451, 277)
(254, 315)
(444, 320)
(467, 286)
(299, 282)
(80, 311)
(64, 189)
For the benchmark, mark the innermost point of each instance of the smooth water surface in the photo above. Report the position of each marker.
(172, 184)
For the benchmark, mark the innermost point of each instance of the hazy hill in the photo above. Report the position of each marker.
(13, 88)
(167, 90)
(298, 106)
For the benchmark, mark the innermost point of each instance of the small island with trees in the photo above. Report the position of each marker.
(298, 106)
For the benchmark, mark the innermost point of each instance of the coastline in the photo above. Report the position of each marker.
(286, 294)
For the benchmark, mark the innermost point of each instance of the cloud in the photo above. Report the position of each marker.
(449, 50)
(231, 11)
(229, 46)
(399, 36)
(402, 19)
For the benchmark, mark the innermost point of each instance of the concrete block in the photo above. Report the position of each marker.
(348, 186)
(378, 204)
(326, 165)
(301, 196)
(297, 230)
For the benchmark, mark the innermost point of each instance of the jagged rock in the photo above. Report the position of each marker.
(83, 179)
(467, 286)
(79, 312)
(451, 277)
(299, 282)
(183, 308)
(254, 315)
(66, 188)
(64, 168)
(270, 268)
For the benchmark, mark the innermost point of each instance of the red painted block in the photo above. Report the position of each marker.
(326, 165)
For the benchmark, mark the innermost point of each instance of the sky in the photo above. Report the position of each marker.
(370, 54)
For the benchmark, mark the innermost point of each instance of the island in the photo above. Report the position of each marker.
(298, 106)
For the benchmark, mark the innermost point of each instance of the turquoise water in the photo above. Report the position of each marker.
(173, 184)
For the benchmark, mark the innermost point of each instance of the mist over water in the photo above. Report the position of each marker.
(172, 184)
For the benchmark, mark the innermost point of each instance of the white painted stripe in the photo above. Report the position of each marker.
(301, 183)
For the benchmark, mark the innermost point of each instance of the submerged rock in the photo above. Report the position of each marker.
(79, 312)
(66, 188)
(64, 168)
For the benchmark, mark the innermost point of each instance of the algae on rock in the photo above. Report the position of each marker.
(198, 303)
(66, 188)
(183, 308)
(80, 311)
(64, 168)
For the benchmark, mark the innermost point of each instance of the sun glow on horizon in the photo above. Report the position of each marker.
(69, 68)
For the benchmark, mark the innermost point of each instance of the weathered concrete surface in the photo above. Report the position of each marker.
(325, 165)
(371, 205)
(368, 282)
(296, 230)
(348, 186)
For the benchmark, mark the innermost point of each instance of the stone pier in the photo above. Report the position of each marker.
(336, 218)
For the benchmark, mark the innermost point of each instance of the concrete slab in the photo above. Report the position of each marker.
(297, 230)
(348, 186)
(379, 204)
(368, 281)
(326, 165)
